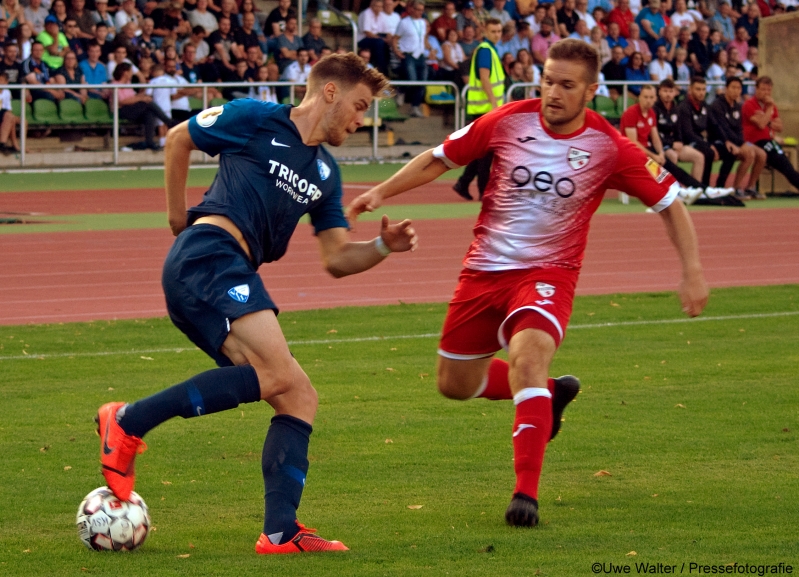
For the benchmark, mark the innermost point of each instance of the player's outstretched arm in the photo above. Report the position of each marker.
(693, 290)
(421, 170)
(177, 155)
(343, 257)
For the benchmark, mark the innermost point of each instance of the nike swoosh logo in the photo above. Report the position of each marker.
(521, 428)
(106, 449)
(276, 143)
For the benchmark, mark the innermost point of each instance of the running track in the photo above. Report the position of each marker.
(82, 276)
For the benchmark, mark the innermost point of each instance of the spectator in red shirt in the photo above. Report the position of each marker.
(623, 16)
(639, 124)
(445, 22)
(762, 124)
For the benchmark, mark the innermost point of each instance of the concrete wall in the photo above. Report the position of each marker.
(779, 58)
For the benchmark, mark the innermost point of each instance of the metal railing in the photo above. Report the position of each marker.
(114, 103)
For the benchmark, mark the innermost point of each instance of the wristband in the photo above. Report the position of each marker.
(381, 247)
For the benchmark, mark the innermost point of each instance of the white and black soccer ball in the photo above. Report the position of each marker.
(107, 524)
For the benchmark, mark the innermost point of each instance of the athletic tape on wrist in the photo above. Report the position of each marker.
(382, 247)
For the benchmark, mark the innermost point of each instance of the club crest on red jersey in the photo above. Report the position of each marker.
(578, 158)
(544, 289)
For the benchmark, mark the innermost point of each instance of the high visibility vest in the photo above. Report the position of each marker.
(476, 99)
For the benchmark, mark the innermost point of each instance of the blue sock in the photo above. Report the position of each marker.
(284, 463)
(209, 392)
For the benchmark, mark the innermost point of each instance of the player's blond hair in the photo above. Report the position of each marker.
(346, 70)
(573, 50)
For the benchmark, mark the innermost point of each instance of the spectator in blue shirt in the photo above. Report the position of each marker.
(636, 71)
(616, 39)
(722, 21)
(651, 22)
(751, 21)
(93, 70)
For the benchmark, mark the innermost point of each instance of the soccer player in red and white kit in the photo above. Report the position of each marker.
(553, 161)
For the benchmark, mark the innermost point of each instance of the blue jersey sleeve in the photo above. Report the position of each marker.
(226, 129)
(483, 59)
(330, 213)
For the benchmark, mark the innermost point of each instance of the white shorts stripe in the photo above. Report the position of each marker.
(546, 314)
(666, 201)
(457, 357)
(530, 393)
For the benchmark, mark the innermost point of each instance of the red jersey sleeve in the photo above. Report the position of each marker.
(641, 177)
(473, 141)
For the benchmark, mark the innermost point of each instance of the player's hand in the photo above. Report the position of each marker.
(693, 293)
(398, 237)
(367, 202)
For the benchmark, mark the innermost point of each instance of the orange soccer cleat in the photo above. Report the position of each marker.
(118, 451)
(303, 542)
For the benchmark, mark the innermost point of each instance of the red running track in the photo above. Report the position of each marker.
(81, 276)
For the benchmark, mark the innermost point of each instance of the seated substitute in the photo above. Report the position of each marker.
(666, 113)
(272, 172)
(692, 125)
(762, 125)
(639, 124)
(726, 132)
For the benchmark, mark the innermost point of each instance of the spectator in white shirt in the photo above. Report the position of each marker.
(409, 46)
(200, 16)
(581, 9)
(128, 13)
(684, 17)
(372, 34)
(659, 68)
(35, 14)
(266, 73)
(298, 71)
(499, 12)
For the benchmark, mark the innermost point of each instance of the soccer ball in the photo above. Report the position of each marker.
(107, 524)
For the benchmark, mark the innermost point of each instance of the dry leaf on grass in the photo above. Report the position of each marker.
(166, 482)
(67, 468)
(332, 332)
(184, 556)
(389, 369)
(679, 406)
(389, 441)
(631, 554)
(415, 506)
(603, 473)
(146, 358)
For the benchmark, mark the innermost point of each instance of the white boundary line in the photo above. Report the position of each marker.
(31, 356)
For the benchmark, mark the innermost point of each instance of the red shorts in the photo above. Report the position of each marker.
(488, 308)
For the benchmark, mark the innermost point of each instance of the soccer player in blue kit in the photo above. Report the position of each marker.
(272, 171)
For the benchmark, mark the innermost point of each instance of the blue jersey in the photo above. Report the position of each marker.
(268, 179)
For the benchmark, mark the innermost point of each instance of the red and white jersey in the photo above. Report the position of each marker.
(544, 187)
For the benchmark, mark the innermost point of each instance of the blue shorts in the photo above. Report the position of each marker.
(209, 282)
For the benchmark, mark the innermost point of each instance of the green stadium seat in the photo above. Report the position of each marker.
(590, 105)
(97, 112)
(71, 111)
(45, 112)
(606, 107)
(388, 111)
(218, 102)
(195, 103)
(16, 107)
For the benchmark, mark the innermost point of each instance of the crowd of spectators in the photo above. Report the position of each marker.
(209, 41)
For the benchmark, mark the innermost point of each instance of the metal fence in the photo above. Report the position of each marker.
(459, 102)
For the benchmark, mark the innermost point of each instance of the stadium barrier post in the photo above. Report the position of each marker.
(115, 99)
(23, 123)
(375, 120)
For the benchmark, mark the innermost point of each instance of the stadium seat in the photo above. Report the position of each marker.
(71, 111)
(195, 103)
(590, 105)
(45, 112)
(16, 107)
(438, 95)
(388, 110)
(218, 102)
(631, 99)
(97, 112)
(606, 107)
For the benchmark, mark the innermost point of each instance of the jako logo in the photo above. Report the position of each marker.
(324, 169)
(240, 293)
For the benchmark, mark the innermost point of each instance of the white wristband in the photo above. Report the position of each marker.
(382, 247)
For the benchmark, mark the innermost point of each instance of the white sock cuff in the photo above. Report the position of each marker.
(481, 389)
(530, 393)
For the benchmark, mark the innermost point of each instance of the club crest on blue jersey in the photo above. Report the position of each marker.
(240, 293)
(324, 169)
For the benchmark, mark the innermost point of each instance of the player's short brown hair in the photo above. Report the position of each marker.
(493, 22)
(573, 50)
(346, 70)
(764, 80)
(647, 87)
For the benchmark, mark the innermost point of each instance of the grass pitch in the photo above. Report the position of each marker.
(694, 420)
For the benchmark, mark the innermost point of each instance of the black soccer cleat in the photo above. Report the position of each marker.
(566, 388)
(522, 511)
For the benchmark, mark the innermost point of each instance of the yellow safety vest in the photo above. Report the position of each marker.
(477, 101)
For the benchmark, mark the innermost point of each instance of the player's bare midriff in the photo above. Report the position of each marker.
(225, 223)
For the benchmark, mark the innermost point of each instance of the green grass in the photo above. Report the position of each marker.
(696, 421)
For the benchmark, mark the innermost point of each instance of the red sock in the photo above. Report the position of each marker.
(531, 431)
(497, 387)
